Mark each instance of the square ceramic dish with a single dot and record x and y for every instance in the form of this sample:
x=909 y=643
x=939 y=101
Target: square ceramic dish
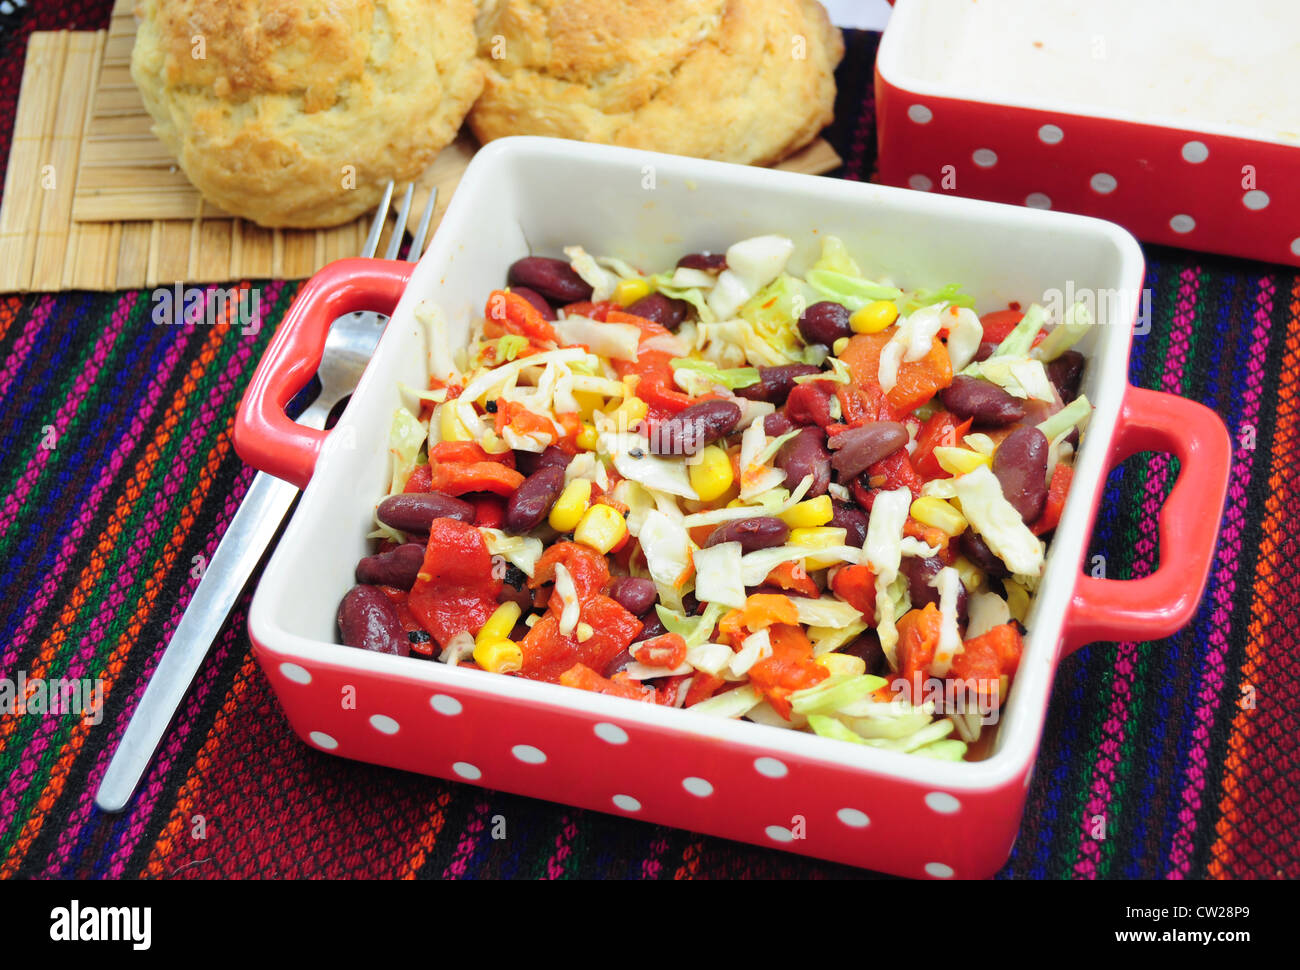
x=857 y=805
x=1178 y=121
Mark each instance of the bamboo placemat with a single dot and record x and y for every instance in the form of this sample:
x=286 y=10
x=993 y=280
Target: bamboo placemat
x=94 y=201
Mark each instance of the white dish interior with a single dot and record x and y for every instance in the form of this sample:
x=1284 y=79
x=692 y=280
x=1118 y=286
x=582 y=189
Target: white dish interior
x=1195 y=64
x=533 y=195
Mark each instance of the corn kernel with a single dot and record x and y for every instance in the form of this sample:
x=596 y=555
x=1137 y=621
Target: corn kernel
x=874 y=317
x=819 y=537
x=627 y=414
x=936 y=512
x=450 y=424
x=568 y=509
x=629 y=291
x=499 y=656
x=587 y=438
x=584 y=632
x=841 y=344
x=814 y=512
x=602 y=528
x=1017 y=599
x=959 y=461
x=499 y=624
x=589 y=402
x=843 y=664
x=972 y=577
x=711 y=475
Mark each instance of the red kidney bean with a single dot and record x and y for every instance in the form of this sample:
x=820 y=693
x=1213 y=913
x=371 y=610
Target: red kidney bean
x=524 y=597
x=537 y=300
x=974 y=548
x=806 y=455
x=708 y=262
x=1066 y=372
x=660 y=309
x=368 y=619
x=553 y=278
x=529 y=462
x=810 y=403
x=534 y=498
x=1020 y=464
x=867 y=646
x=688 y=431
x=919 y=572
x=777 y=423
x=775 y=383
x=634 y=594
x=859 y=448
x=651 y=626
x=414 y=511
x=852 y=520
x=985 y=349
x=825 y=323
x=621 y=662
x=986 y=403
x=758 y=532
x=397 y=567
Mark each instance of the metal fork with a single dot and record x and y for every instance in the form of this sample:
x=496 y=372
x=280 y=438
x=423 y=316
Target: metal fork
x=348 y=348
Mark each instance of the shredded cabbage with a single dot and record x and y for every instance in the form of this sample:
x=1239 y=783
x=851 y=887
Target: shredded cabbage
x=406 y=436
x=717 y=575
x=997 y=522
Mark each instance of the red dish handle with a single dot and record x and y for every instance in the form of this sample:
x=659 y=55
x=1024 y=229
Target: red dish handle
x=1162 y=603
x=265 y=437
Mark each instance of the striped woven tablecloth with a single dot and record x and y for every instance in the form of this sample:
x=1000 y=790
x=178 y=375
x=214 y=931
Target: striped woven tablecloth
x=117 y=473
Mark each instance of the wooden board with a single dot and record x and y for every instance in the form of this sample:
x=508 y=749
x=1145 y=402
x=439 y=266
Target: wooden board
x=93 y=200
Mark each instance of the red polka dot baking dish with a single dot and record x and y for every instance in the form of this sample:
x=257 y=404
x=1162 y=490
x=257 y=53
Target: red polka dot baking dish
x=861 y=805
x=1177 y=121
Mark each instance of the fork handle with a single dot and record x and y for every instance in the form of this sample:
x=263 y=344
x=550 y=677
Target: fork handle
x=237 y=555
x=265 y=437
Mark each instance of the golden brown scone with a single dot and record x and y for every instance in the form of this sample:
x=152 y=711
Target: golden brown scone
x=738 y=80
x=299 y=111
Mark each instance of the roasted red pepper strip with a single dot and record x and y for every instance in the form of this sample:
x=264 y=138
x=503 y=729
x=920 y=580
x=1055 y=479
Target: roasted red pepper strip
x=548 y=652
x=703 y=686
x=456 y=591
x=522 y=420
x=588 y=568
x=666 y=650
x=584 y=678
x=1057 y=491
x=987 y=662
x=519 y=316
x=918 y=636
x=419 y=480
x=942 y=430
x=790 y=668
x=457 y=478
x=896 y=471
x=792 y=576
x=468 y=451
x=856 y=585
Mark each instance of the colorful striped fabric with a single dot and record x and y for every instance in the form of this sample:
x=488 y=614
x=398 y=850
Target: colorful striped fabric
x=118 y=475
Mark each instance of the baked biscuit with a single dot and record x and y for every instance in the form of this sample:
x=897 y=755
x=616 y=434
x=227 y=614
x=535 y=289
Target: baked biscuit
x=297 y=112
x=738 y=80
